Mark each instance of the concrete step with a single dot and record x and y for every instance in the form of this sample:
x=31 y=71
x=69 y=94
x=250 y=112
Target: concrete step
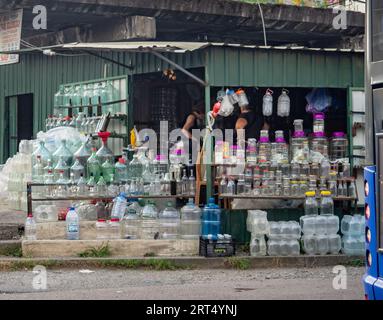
x=11 y=231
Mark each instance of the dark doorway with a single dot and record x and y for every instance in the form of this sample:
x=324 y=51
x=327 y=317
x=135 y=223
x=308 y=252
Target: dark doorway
x=19 y=115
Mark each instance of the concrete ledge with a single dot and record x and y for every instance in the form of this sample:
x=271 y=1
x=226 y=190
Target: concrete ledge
x=125 y=248
x=10 y=247
x=10 y=231
x=175 y=263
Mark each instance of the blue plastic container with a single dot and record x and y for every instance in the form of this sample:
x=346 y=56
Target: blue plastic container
x=211 y=220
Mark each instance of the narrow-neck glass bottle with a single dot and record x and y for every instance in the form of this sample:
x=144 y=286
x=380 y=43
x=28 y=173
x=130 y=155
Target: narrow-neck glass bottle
x=64 y=153
x=77 y=170
x=107 y=170
x=93 y=165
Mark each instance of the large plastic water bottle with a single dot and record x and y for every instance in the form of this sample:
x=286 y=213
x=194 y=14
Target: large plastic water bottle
x=30 y=228
x=283 y=109
x=169 y=222
x=73 y=225
x=190 y=221
x=211 y=220
x=119 y=206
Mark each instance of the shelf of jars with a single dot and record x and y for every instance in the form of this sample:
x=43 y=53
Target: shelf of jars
x=265 y=197
x=70 y=192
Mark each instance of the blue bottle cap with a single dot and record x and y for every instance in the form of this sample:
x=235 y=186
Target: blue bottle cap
x=123 y=195
x=211 y=200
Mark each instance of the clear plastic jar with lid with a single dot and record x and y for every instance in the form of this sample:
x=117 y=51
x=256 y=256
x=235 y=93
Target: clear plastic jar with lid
x=300 y=150
x=251 y=151
x=282 y=149
x=338 y=146
x=264 y=153
x=319 y=147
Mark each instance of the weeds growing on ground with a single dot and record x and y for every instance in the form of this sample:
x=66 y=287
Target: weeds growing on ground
x=101 y=252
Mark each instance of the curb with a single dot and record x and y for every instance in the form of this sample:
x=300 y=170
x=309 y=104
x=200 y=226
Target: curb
x=158 y=263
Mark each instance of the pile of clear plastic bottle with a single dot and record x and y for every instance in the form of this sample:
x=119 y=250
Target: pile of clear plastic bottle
x=320 y=231
x=353 y=240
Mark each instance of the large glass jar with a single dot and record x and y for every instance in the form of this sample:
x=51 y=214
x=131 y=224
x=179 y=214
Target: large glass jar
x=264 y=153
x=299 y=146
x=338 y=146
x=251 y=151
x=319 y=147
x=94 y=166
x=281 y=147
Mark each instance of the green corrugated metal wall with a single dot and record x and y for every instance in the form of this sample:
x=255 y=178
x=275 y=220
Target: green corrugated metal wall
x=42 y=76
x=226 y=66
x=284 y=68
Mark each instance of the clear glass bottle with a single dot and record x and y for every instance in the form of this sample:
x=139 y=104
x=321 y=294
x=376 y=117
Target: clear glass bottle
x=190 y=221
x=38 y=171
x=135 y=168
x=93 y=165
x=223 y=185
x=82 y=186
x=230 y=189
x=241 y=185
x=63 y=153
x=101 y=187
x=43 y=152
x=192 y=183
x=61 y=166
x=184 y=183
x=83 y=153
x=107 y=170
x=77 y=170
x=121 y=171
x=91 y=185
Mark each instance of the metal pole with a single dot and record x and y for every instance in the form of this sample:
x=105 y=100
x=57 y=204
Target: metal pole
x=194 y=77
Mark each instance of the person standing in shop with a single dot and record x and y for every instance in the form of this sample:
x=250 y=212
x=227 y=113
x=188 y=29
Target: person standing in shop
x=194 y=120
x=251 y=123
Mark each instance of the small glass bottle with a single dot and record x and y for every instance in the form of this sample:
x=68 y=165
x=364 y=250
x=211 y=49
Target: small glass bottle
x=241 y=185
x=91 y=185
x=184 y=183
x=192 y=185
x=81 y=186
x=101 y=186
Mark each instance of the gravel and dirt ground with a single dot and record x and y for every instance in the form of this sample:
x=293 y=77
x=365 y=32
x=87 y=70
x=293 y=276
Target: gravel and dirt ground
x=300 y=283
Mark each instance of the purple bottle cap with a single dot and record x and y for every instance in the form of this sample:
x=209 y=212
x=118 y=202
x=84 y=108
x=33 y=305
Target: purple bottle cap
x=299 y=134
x=234 y=147
x=264 y=139
x=319 y=134
x=319 y=116
x=280 y=140
x=338 y=134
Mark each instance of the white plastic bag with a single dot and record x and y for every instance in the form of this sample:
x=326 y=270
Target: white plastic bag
x=53 y=138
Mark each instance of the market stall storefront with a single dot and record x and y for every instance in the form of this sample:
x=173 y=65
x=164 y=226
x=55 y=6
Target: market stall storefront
x=175 y=81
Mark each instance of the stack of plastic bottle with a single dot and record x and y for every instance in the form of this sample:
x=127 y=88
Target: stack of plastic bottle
x=16 y=173
x=353 y=241
x=283 y=239
x=258 y=225
x=320 y=232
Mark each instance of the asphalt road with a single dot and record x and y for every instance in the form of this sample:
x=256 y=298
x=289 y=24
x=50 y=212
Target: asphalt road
x=316 y=283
